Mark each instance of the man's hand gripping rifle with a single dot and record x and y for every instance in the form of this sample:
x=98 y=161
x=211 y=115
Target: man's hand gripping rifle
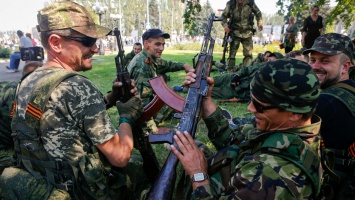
x=150 y=163
x=189 y=117
x=122 y=94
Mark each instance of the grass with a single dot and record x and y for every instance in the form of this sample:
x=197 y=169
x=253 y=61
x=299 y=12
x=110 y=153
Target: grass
x=103 y=73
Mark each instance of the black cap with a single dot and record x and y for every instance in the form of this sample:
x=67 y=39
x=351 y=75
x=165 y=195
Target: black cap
x=154 y=33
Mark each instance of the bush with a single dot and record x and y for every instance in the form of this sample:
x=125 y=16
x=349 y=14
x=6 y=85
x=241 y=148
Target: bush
x=257 y=48
x=5 y=53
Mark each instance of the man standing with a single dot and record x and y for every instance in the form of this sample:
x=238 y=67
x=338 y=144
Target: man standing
x=275 y=158
x=25 y=42
x=331 y=56
x=240 y=28
x=65 y=143
x=137 y=47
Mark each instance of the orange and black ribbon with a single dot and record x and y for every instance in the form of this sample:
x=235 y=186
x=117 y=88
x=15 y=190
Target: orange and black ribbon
x=12 y=111
x=148 y=61
x=352 y=150
x=34 y=111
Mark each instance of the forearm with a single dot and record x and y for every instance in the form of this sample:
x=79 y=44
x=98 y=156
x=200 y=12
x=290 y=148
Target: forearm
x=119 y=148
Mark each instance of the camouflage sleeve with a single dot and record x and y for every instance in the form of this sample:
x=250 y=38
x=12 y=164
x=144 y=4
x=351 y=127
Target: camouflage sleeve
x=257 y=12
x=203 y=192
x=219 y=131
x=225 y=14
x=141 y=73
x=165 y=66
x=270 y=177
x=260 y=177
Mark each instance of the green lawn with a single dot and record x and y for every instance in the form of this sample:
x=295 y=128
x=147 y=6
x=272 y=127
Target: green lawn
x=103 y=73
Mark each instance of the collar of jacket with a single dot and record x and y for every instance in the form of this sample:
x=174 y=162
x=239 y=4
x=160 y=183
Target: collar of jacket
x=307 y=133
x=149 y=58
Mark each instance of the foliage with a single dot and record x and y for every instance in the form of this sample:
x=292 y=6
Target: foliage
x=343 y=11
x=5 y=53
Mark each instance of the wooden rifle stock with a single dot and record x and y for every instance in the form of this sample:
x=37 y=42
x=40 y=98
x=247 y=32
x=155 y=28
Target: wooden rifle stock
x=189 y=118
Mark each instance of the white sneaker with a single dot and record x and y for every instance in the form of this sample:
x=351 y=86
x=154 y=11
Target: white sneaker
x=12 y=71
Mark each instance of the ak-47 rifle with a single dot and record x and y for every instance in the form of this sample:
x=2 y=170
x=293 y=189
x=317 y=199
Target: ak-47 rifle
x=189 y=117
x=150 y=163
x=122 y=72
x=228 y=36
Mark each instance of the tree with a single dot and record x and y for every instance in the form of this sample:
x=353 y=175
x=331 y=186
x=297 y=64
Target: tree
x=344 y=10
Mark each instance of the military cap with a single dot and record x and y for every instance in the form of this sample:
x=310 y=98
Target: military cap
x=276 y=54
x=333 y=44
x=154 y=33
x=64 y=15
x=289 y=83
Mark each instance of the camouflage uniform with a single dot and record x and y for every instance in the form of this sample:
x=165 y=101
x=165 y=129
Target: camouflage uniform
x=280 y=164
x=144 y=67
x=222 y=84
x=129 y=57
x=241 y=29
x=336 y=107
x=59 y=119
x=7 y=95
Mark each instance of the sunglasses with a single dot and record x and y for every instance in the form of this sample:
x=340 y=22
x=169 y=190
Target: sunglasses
x=260 y=108
x=85 y=41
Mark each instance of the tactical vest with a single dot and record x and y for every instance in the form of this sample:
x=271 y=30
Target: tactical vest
x=31 y=154
x=345 y=94
x=303 y=155
x=250 y=18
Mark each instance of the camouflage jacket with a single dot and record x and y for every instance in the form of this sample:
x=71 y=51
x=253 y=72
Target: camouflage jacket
x=67 y=112
x=260 y=169
x=129 y=57
x=7 y=95
x=143 y=67
x=242 y=13
x=258 y=59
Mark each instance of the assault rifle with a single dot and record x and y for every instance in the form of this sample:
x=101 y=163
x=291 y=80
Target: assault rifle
x=150 y=163
x=122 y=72
x=189 y=116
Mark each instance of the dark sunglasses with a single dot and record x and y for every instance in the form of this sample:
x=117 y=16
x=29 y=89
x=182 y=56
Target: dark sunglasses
x=86 y=41
x=260 y=108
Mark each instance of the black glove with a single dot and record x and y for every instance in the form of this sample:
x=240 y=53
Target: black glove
x=235 y=80
x=131 y=110
x=112 y=96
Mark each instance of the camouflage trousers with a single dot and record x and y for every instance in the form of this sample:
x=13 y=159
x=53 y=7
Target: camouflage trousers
x=223 y=90
x=247 y=52
x=124 y=183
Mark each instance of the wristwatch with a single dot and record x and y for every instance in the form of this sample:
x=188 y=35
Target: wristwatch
x=198 y=177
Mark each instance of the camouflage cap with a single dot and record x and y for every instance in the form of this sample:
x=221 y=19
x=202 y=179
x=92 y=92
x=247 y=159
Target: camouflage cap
x=333 y=44
x=63 y=15
x=288 y=83
x=276 y=54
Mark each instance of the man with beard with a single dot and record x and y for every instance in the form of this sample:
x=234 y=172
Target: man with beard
x=331 y=57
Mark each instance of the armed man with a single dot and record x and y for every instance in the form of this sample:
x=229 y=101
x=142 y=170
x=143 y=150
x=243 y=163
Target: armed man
x=65 y=144
x=275 y=158
x=148 y=64
x=240 y=28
